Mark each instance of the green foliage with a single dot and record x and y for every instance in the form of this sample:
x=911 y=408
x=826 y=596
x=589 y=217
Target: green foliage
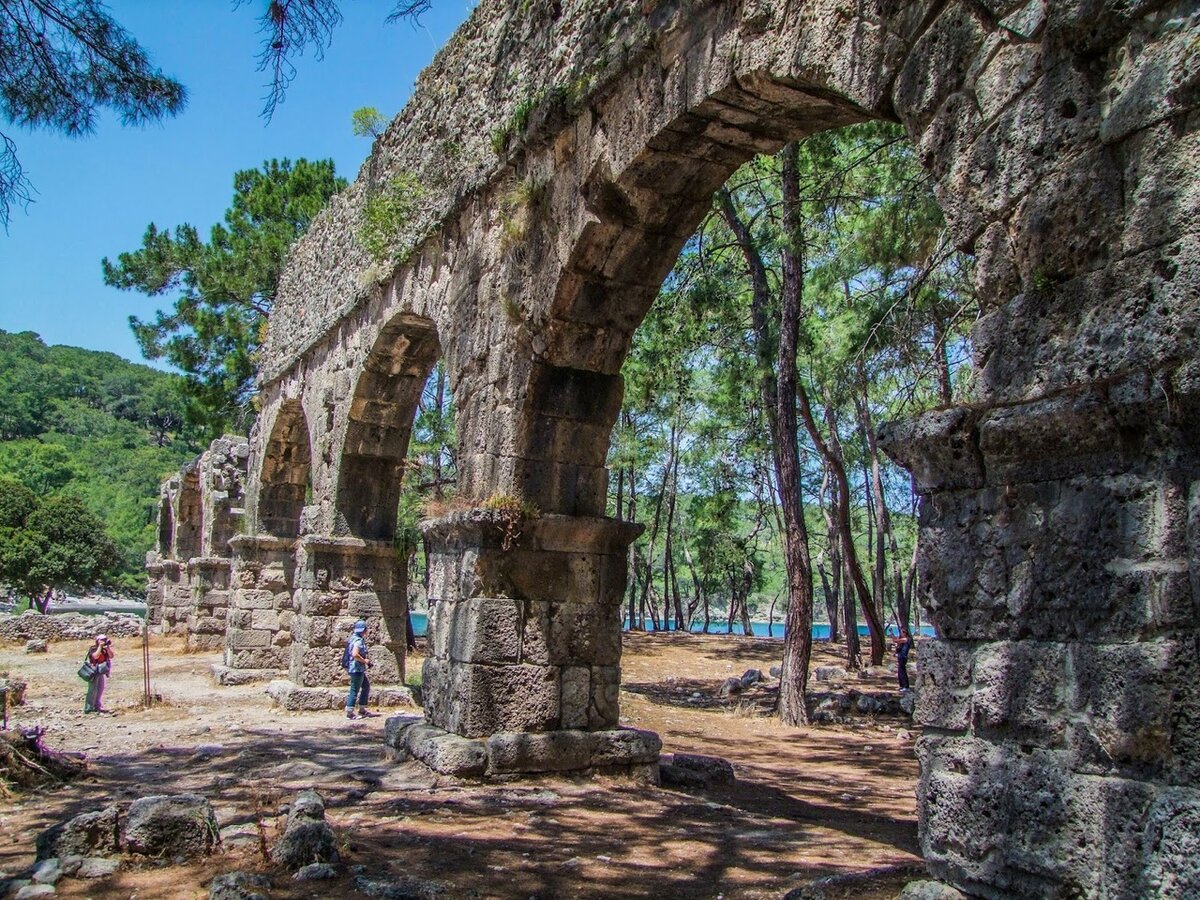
x=64 y=62
x=225 y=286
x=386 y=215
x=51 y=544
x=367 y=121
x=107 y=432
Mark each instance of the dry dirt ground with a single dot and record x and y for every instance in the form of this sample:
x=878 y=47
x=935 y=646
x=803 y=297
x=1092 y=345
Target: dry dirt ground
x=808 y=803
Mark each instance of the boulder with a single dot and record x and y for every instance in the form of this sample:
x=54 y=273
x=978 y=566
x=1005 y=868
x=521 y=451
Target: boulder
x=829 y=673
x=316 y=872
x=35 y=890
x=87 y=834
x=750 y=677
x=36 y=646
x=239 y=886
x=307 y=839
x=691 y=770
x=930 y=890
x=730 y=687
x=179 y=826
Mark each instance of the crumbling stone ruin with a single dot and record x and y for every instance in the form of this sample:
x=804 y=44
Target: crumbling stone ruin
x=200 y=510
x=1060 y=515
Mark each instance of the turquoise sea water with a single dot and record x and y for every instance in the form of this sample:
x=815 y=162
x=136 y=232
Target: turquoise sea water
x=759 y=629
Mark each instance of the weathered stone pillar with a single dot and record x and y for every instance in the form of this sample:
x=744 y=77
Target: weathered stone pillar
x=523 y=672
x=342 y=580
x=261 y=616
x=154 y=590
x=209 y=579
x=1059 y=551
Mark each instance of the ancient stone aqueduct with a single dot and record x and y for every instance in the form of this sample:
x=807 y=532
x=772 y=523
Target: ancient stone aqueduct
x=1061 y=747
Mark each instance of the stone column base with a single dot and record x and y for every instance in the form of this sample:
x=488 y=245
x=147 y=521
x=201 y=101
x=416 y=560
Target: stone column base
x=226 y=676
x=626 y=752
x=299 y=698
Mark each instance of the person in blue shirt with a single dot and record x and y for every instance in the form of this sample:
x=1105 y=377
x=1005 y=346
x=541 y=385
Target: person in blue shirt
x=360 y=682
x=903 y=646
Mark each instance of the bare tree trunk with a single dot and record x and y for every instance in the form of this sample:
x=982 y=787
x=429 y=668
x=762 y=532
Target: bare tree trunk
x=850 y=552
x=853 y=645
x=778 y=386
x=635 y=624
x=941 y=362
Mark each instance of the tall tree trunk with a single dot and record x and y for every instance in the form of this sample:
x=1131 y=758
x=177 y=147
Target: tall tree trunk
x=849 y=551
x=777 y=385
x=853 y=644
x=634 y=623
x=885 y=534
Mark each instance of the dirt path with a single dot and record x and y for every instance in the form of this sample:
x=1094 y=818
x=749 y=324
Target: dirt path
x=807 y=803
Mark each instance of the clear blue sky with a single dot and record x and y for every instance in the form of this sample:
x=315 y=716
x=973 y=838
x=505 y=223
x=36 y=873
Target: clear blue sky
x=96 y=194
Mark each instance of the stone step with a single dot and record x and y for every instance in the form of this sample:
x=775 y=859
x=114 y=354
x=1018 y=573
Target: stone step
x=295 y=697
x=225 y=675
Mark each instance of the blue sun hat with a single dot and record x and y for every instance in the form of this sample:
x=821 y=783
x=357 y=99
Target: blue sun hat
x=360 y=626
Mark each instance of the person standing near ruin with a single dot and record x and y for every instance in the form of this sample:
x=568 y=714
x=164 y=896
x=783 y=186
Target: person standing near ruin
x=358 y=661
x=903 y=646
x=100 y=655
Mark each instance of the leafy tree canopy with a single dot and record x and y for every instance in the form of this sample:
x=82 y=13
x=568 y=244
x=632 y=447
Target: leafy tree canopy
x=226 y=285
x=96 y=426
x=51 y=545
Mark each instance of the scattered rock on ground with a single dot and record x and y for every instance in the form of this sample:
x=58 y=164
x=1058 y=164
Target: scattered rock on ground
x=751 y=676
x=87 y=834
x=36 y=646
x=930 y=890
x=829 y=673
x=405 y=888
x=182 y=825
x=316 y=872
x=97 y=867
x=36 y=890
x=307 y=838
x=239 y=886
x=730 y=687
x=691 y=770
x=48 y=871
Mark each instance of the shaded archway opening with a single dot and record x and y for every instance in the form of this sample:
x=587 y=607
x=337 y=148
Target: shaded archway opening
x=387 y=400
x=166 y=529
x=189 y=518
x=285 y=480
x=644 y=215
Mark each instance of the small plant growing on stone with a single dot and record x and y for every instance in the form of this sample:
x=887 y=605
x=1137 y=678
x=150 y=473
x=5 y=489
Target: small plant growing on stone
x=385 y=216
x=512 y=510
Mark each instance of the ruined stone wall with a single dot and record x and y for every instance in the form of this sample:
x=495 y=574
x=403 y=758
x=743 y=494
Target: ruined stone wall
x=1059 y=515
x=200 y=509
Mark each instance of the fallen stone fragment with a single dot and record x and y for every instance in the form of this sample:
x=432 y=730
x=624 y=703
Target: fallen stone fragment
x=829 y=673
x=930 y=890
x=48 y=871
x=238 y=886
x=36 y=890
x=307 y=838
x=36 y=646
x=316 y=872
x=85 y=835
x=183 y=825
x=730 y=687
x=751 y=676
x=404 y=888
x=97 y=867
x=690 y=770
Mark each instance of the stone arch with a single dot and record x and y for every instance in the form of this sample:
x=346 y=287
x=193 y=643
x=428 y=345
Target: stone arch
x=284 y=477
x=639 y=220
x=381 y=414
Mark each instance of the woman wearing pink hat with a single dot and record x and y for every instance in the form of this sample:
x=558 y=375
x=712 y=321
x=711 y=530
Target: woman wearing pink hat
x=100 y=655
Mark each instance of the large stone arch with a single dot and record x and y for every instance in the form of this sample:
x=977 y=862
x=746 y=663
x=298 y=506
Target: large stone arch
x=1063 y=138
x=380 y=424
x=284 y=473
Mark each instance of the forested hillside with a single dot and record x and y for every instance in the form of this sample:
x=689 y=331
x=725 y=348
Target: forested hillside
x=93 y=425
